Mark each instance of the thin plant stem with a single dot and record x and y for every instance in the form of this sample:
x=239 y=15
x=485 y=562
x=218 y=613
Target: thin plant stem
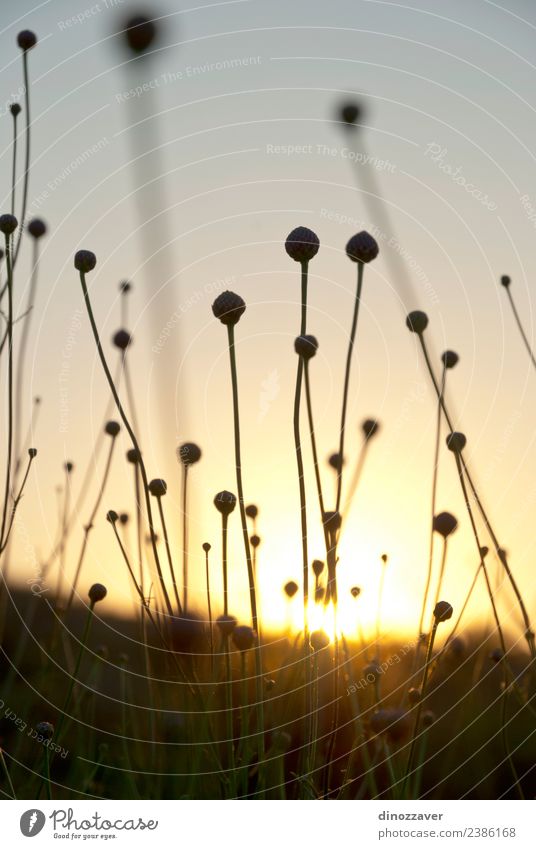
x=418 y=713
x=229 y=716
x=133 y=439
x=351 y=343
x=14 y=165
x=358 y=471
x=313 y=438
x=441 y=570
x=8 y=776
x=224 y=527
x=16 y=502
x=27 y=154
x=209 y=607
x=74 y=676
x=185 y=535
x=169 y=557
x=21 y=358
x=520 y=327
x=7 y=486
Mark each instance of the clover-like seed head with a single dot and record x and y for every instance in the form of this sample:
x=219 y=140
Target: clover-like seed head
x=97 y=592
x=225 y=502
x=356 y=592
x=158 y=487
x=417 y=321
x=332 y=521
x=85 y=261
x=291 y=588
x=37 y=228
x=306 y=346
x=189 y=453
x=318 y=567
x=133 y=456
x=124 y=518
x=112 y=428
x=319 y=640
x=255 y=540
x=505 y=281
x=226 y=624
x=15 y=109
x=362 y=247
x=445 y=524
x=336 y=461
x=302 y=244
x=252 y=511
x=449 y=359
x=122 y=339
x=229 y=307
x=206 y=547
x=26 y=39
x=442 y=611
x=456 y=442
x=140 y=32
x=350 y=112
x=243 y=637
x=45 y=730
x=32 y=453
x=370 y=428
x=111 y=517
x=8 y=224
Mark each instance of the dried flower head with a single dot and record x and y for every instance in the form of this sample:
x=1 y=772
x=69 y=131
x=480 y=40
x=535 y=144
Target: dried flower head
x=252 y=511
x=37 y=228
x=26 y=39
x=370 y=428
x=226 y=624
x=255 y=540
x=122 y=339
x=505 y=281
x=306 y=346
x=417 y=321
x=32 y=453
x=445 y=524
x=350 y=112
x=318 y=567
x=112 y=428
x=291 y=588
x=319 y=640
x=449 y=359
x=336 y=461
x=456 y=442
x=243 y=637
x=332 y=521
x=140 y=32
x=442 y=611
x=225 y=502
x=124 y=518
x=68 y=466
x=362 y=247
x=189 y=453
x=15 y=109
x=112 y=517
x=97 y=592
x=158 y=487
x=45 y=730
x=229 y=307
x=133 y=456
x=302 y=244
x=125 y=287
x=356 y=592
x=85 y=261
x=8 y=224
x=206 y=547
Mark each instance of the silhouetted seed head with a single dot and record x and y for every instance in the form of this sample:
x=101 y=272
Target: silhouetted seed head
x=335 y=461
x=332 y=521
x=149 y=539
x=428 y=718
x=32 y=453
x=85 y=261
x=229 y=307
x=45 y=730
x=125 y=286
x=112 y=428
x=187 y=634
x=226 y=624
x=302 y=244
x=318 y=567
x=255 y=540
x=15 y=109
x=496 y=655
x=319 y=594
x=189 y=453
x=252 y=511
x=26 y=39
x=122 y=339
x=8 y=224
x=350 y=112
x=414 y=696
x=158 y=487
x=112 y=517
x=393 y=722
x=37 y=228
x=417 y=321
x=243 y=637
x=97 y=592
x=225 y=502
x=370 y=428
x=68 y=466
x=456 y=442
x=362 y=247
x=449 y=359
x=457 y=647
x=291 y=588
x=505 y=281
x=133 y=456
x=140 y=32
x=319 y=640
x=206 y=547
x=442 y=611
x=123 y=518
x=306 y=346
x=445 y=524
x=356 y=592
x=384 y=558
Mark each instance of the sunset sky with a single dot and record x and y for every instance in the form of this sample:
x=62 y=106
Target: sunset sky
x=184 y=171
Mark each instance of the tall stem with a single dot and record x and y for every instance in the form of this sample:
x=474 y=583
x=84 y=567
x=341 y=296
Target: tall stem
x=7 y=487
x=27 y=156
x=520 y=327
x=185 y=536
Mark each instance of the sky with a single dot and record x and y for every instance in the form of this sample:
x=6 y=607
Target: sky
x=184 y=171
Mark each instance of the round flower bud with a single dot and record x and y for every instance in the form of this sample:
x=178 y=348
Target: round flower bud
x=362 y=247
x=505 y=281
x=85 y=261
x=112 y=428
x=306 y=346
x=125 y=286
x=229 y=307
x=442 y=611
x=335 y=461
x=350 y=112
x=243 y=637
x=32 y=453
x=449 y=358
x=225 y=502
x=226 y=624
x=45 y=730
x=255 y=540
x=140 y=32
x=291 y=588
x=158 y=487
x=68 y=466
x=252 y=511
x=37 y=228
x=319 y=640
x=112 y=517
x=8 y=224
x=332 y=521
x=318 y=567
x=356 y=592
x=123 y=518
x=133 y=456
x=302 y=244
x=484 y=551
x=26 y=39
x=97 y=592
x=15 y=109
x=445 y=524
x=456 y=442
x=122 y=339
x=417 y=321
x=206 y=547
x=370 y=428
x=189 y=453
